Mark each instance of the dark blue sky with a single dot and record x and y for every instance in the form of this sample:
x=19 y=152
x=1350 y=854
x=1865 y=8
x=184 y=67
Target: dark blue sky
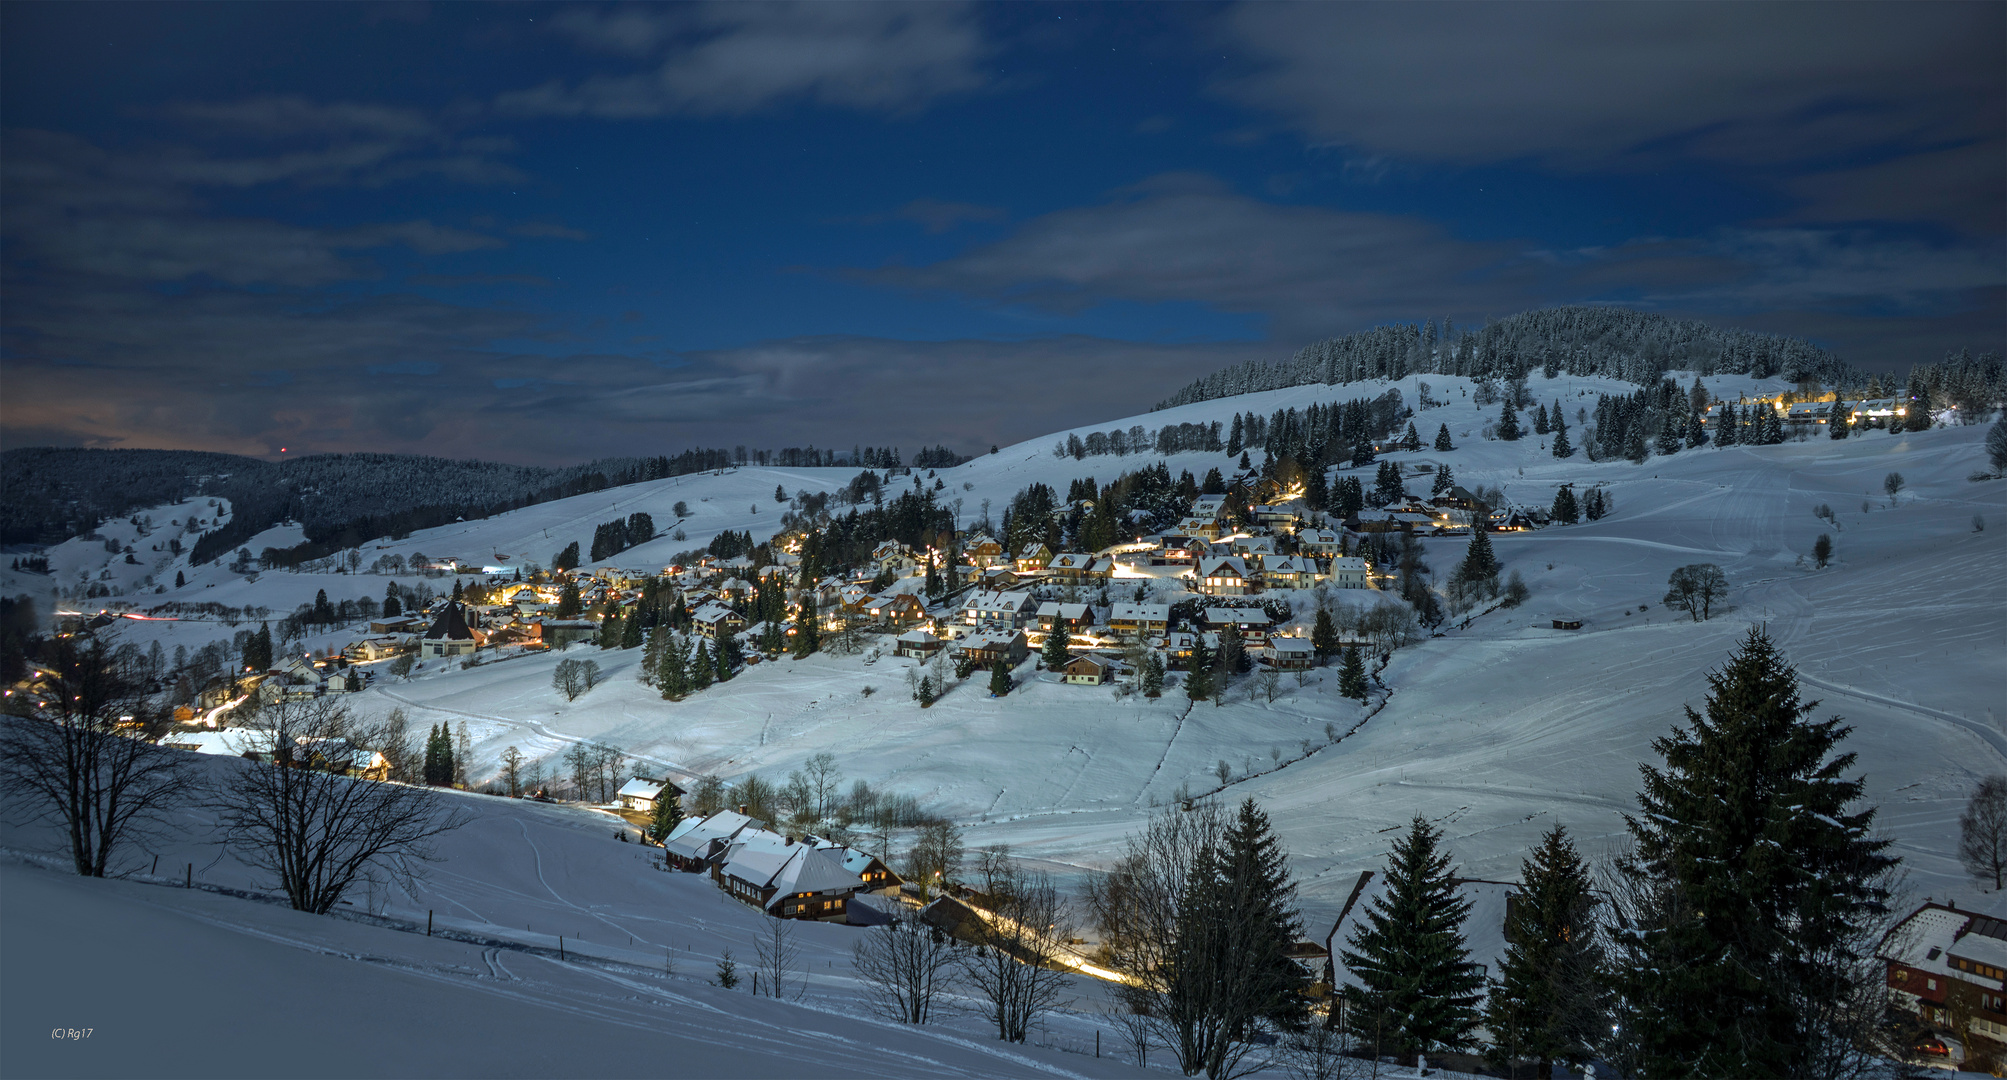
x=548 y=232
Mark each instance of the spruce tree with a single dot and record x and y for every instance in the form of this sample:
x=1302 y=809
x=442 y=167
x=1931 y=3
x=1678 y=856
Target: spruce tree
x=450 y=765
x=1054 y=654
x=1324 y=635
x=1352 y=675
x=1443 y=482
x=668 y=812
x=1565 y=511
x=1417 y=990
x=1548 y=1002
x=431 y=771
x=1199 y=671
x=1153 y=674
x=1442 y=439
x=1508 y=423
x=264 y=658
x=180 y=581
x=1837 y=420
x=1769 y=879
x=630 y=631
x=1540 y=424
x=672 y=675
x=1000 y=679
x=1413 y=439
x=1562 y=447
x=1479 y=565
x=703 y=667
x=806 y=638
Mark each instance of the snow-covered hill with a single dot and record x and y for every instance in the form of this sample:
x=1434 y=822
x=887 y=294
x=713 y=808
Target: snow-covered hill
x=1496 y=730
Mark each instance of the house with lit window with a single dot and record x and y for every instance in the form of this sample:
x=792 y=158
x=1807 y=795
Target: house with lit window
x=1224 y=576
x=1139 y=620
x=1349 y=572
x=1948 y=967
x=1033 y=558
x=716 y=621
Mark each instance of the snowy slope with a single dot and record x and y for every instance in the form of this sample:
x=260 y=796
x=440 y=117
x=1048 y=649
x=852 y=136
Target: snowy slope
x=1495 y=730
x=284 y=993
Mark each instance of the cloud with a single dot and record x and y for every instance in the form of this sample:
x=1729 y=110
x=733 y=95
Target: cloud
x=731 y=59
x=1314 y=271
x=546 y=230
x=290 y=117
x=344 y=143
x=938 y=216
x=1780 y=87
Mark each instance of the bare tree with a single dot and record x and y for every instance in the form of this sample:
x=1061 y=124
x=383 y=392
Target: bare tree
x=1893 y=483
x=394 y=743
x=83 y=757
x=299 y=815
x=905 y=966
x=777 y=959
x=936 y=855
x=1013 y=963
x=607 y=764
x=512 y=770
x=570 y=678
x=823 y=778
x=1694 y=589
x=1982 y=832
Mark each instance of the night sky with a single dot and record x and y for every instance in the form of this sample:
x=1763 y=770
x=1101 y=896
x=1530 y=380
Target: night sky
x=546 y=233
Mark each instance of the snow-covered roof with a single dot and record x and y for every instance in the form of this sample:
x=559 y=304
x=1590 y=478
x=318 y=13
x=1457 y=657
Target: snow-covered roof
x=1070 y=560
x=813 y=870
x=1140 y=613
x=1221 y=566
x=1289 y=645
x=710 y=613
x=642 y=787
x=1935 y=934
x=1348 y=562
x=1240 y=616
x=1053 y=609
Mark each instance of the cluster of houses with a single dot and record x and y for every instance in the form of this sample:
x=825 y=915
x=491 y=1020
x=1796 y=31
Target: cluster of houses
x=788 y=877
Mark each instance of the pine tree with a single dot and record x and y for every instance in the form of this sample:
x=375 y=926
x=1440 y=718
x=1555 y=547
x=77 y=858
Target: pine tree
x=262 y=643
x=1565 y=511
x=668 y=812
x=806 y=638
x=392 y=606
x=727 y=657
x=431 y=771
x=924 y=693
x=1261 y=906
x=1000 y=679
x=1054 y=654
x=1153 y=673
x=611 y=631
x=1443 y=482
x=1442 y=439
x=1540 y=423
x=1479 y=565
x=180 y=581
x=1548 y=1001
x=1352 y=675
x=1413 y=439
x=1508 y=423
x=568 y=604
x=672 y=675
x=1770 y=878
x=1417 y=990
x=449 y=765
x=1324 y=635
x=630 y=631
x=1837 y=420
x=1199 y=671
x=702 y=666
x=1562 y=447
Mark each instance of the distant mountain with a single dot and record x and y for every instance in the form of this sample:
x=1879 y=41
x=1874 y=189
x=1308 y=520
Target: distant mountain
x=1610 y=342
x=49 y=494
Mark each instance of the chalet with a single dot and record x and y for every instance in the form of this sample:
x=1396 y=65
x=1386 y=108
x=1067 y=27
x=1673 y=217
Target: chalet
x=1323 y=543
x=643 y=792
x=918 y=644
x=853 y=598
x=1054 y=616
x=989 y=647
x=716 y=621
x=1090 y=669
x=901 y=609
x=828 y=591
x=370 y=649
x=873 y=876
x=1456 y=498
x=737 y=590
x=1349 y=572
x=1946 y=964
x=1289 y=654
x=1210 y=508
x=1033 y=558
x=785 y=878
x=1180 y=644
x=696 y=842
x=1282 y=517
x=449 y=635
x=229 y=742
x=1202 y=528
x=557 y=633
x=997 y=578
x=410 y=624
x=1005 y=610
x=1224 y=576
x=1288 y=572
x=982 y=551
x=1140 y=620
x=1254 y=549
x=894 y=557
x=1076 y=568
x=617 y=578
x=1254 y=623
x=1385 y=521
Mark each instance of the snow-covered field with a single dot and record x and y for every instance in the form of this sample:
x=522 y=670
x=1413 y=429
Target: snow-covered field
x=1496 y=731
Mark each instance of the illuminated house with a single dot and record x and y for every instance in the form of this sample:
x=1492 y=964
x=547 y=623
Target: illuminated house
x=1949 y=968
